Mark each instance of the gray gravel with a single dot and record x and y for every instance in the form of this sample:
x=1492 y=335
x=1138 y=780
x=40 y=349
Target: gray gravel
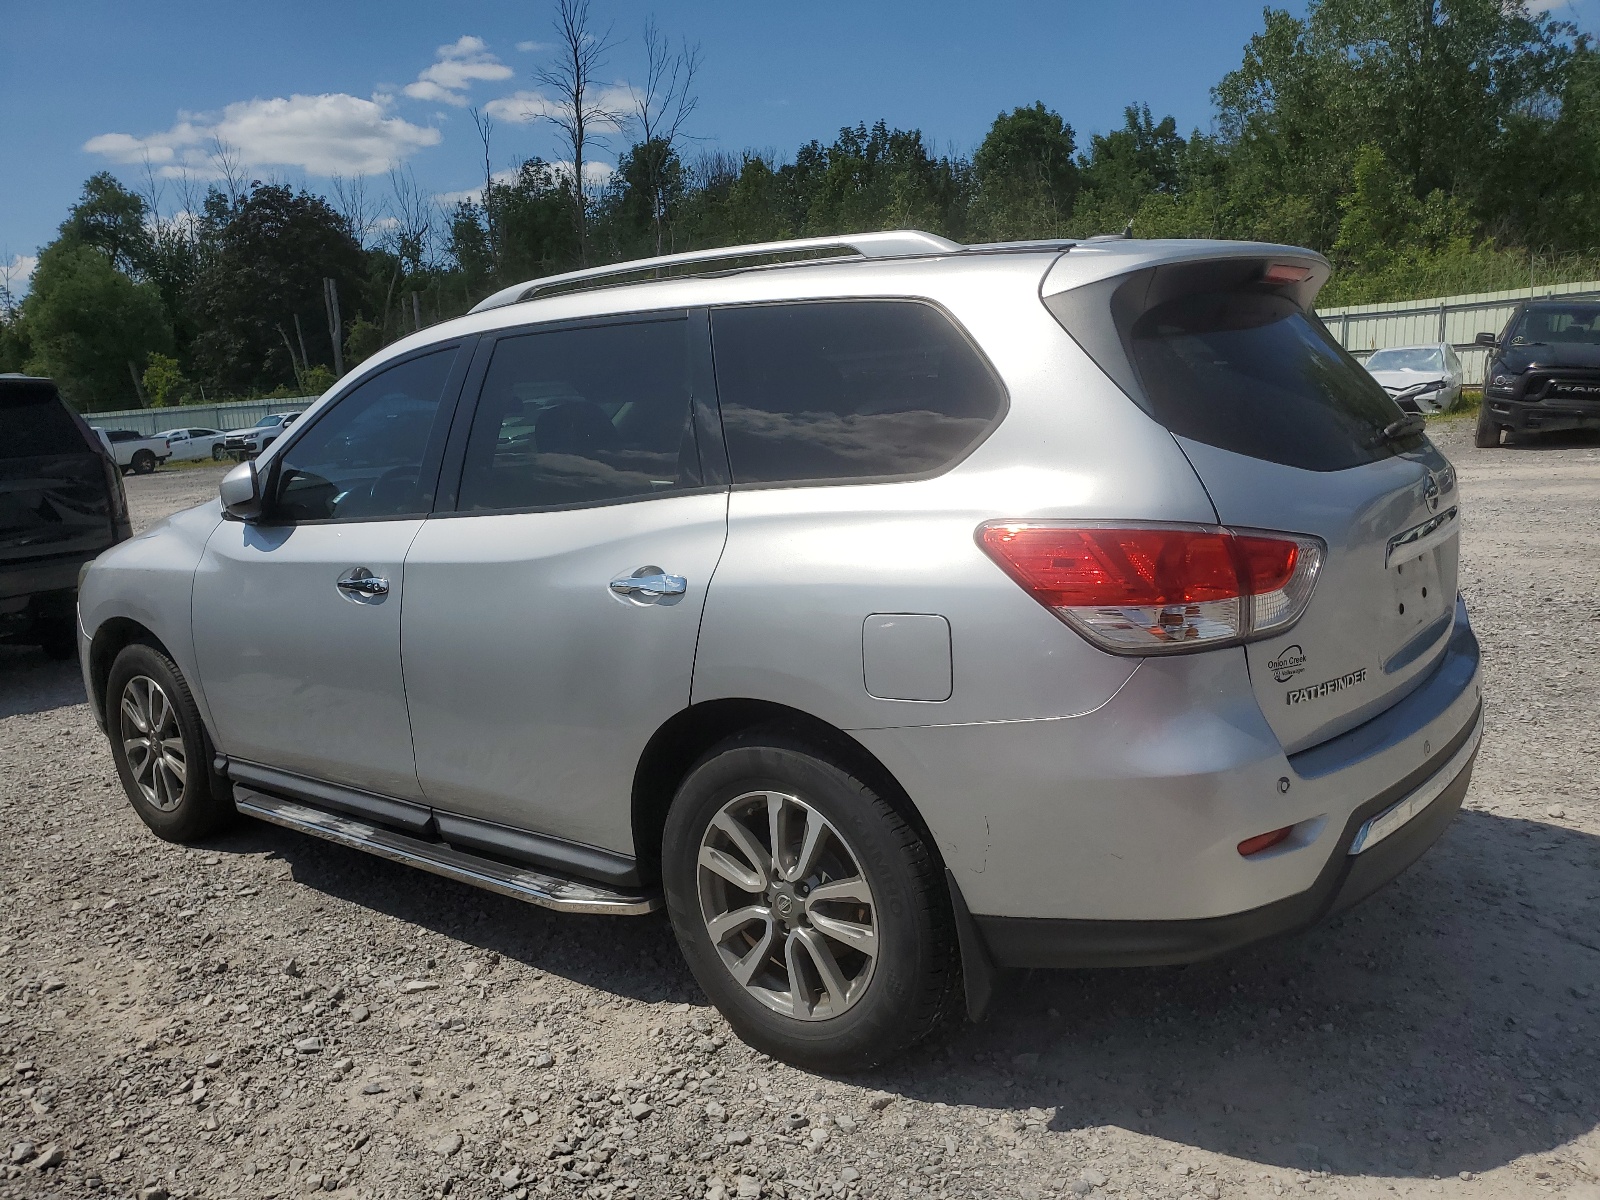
x=271 y=1016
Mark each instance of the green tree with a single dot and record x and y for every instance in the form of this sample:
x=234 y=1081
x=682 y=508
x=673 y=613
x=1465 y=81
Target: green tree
x=114 y=221
x=164 y=383
x=91 y=327
x=1026 y=174
x=258 y=300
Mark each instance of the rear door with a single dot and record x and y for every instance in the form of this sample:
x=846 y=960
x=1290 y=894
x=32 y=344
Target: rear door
x=551 y=620
x=1288 y=432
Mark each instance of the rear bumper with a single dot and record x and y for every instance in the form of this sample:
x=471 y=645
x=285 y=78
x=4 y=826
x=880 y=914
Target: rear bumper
x=1543 y=415
x=1111 y=838
x=1347 y=878
x=38 y=591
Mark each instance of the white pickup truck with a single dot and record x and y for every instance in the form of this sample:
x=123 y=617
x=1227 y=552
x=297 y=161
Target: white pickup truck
x=134 y=451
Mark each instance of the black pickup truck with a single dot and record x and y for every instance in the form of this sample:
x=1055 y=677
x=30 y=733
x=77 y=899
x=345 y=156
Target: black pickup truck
x=61 y=503
x=1544 y=371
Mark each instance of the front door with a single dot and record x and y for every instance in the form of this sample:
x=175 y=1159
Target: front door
x=297 y=616
x=551 y=621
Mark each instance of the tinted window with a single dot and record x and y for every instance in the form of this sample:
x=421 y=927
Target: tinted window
x=1544 y=325
x=365 y=457
x=34 y=422
x=580 y=416
x=1252 y=373
x=848 y=390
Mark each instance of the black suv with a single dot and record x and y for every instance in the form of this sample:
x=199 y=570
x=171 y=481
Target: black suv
x=61 y=503
x=1544 y=372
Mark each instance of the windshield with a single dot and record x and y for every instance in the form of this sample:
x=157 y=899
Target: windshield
x=1408 y=359
x=1549 y=325
x=267 y=421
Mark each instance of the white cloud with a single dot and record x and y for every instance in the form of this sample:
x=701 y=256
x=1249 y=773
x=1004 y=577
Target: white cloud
x=532 y=47
x=454 y=70
x=474 y=194
x=525 y=106
x=331 y=134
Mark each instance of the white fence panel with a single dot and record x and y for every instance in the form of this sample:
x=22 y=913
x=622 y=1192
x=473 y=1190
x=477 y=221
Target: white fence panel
x=238 y=415
x=1363 y=328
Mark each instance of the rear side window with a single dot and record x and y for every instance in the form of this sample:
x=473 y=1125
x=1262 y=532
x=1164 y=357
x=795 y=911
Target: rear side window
x=1252 y=373
x=848 y=390
x=583 y=416
x=34 y=422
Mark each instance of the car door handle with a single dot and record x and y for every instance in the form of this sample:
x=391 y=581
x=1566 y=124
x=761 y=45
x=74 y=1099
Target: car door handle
x=650 y=582
x=362 y=582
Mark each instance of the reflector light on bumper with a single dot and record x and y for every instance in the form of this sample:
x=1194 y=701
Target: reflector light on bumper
x=1159 y=589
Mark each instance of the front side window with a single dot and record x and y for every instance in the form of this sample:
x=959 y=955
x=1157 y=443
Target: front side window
x=364 y=458
x=848 y=390
x=583 y=416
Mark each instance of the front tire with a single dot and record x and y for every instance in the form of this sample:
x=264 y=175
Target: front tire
x=1487 y=434
x=811 y=912
x=160 y=748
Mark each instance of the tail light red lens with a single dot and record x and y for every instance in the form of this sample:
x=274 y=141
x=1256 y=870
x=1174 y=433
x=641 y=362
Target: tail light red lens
x=1159 y=589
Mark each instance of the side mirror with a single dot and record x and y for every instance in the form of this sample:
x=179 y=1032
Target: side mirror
x=1484 y=339
x=241 y=492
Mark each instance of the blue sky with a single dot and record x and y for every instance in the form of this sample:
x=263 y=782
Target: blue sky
x=304 y=90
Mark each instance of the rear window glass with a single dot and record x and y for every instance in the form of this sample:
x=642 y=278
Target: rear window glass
x=1252 y=373
x=843 y=390
x=34 y=422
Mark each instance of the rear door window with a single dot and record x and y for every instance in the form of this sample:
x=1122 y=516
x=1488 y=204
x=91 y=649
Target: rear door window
x=34 y=422
x=848 y=390
x=586 y=415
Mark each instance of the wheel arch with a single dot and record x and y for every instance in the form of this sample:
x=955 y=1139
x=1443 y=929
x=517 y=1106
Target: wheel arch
x=109 y=640
x=685 y=737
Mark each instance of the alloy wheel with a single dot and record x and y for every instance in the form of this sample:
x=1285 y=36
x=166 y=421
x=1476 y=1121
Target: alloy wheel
x=787 y=906
x=153 y=742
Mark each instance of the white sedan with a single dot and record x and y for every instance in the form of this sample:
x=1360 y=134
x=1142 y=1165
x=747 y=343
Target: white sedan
x=1406 y=371
x=190 y=444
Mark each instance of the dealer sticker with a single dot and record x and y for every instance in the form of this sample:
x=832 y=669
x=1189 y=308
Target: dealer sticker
x=1318 y=690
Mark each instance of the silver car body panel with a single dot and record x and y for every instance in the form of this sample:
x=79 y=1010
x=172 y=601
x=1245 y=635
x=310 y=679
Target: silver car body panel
x=568 y=680
x=299 y=674
x=149 y=580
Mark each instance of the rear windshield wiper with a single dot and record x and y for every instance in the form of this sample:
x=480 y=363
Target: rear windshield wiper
x=1409 y=426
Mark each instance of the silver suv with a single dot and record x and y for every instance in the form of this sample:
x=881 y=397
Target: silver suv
x=890 y=611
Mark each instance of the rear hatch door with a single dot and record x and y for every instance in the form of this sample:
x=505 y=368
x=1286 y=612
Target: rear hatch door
x=54 y=495
x=1289 y=433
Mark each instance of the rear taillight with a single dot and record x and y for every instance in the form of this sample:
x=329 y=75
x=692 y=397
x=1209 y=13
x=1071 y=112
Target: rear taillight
x=1159 y=589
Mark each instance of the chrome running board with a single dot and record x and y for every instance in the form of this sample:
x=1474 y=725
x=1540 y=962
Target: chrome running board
x=520 y=883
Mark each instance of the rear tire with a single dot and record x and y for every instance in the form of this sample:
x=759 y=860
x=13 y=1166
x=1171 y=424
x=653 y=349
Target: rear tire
x=218 y=454
x=144 y=462
x=833 y=982
x=1487 y=434
x=58 y=638
x=161 y=750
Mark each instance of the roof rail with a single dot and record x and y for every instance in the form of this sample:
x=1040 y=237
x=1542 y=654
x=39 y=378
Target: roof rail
x=897 y=243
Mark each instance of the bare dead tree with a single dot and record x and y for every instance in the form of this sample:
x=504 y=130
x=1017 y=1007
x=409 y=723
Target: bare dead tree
x=661 y=107
x=228 y=163
x=578 y=109
x=485 y=126
x=354 y=205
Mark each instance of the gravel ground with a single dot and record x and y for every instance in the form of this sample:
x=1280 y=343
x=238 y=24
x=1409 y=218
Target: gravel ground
x=270 y=1015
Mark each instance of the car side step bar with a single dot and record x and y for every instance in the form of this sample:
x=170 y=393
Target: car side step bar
x=520 y=883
